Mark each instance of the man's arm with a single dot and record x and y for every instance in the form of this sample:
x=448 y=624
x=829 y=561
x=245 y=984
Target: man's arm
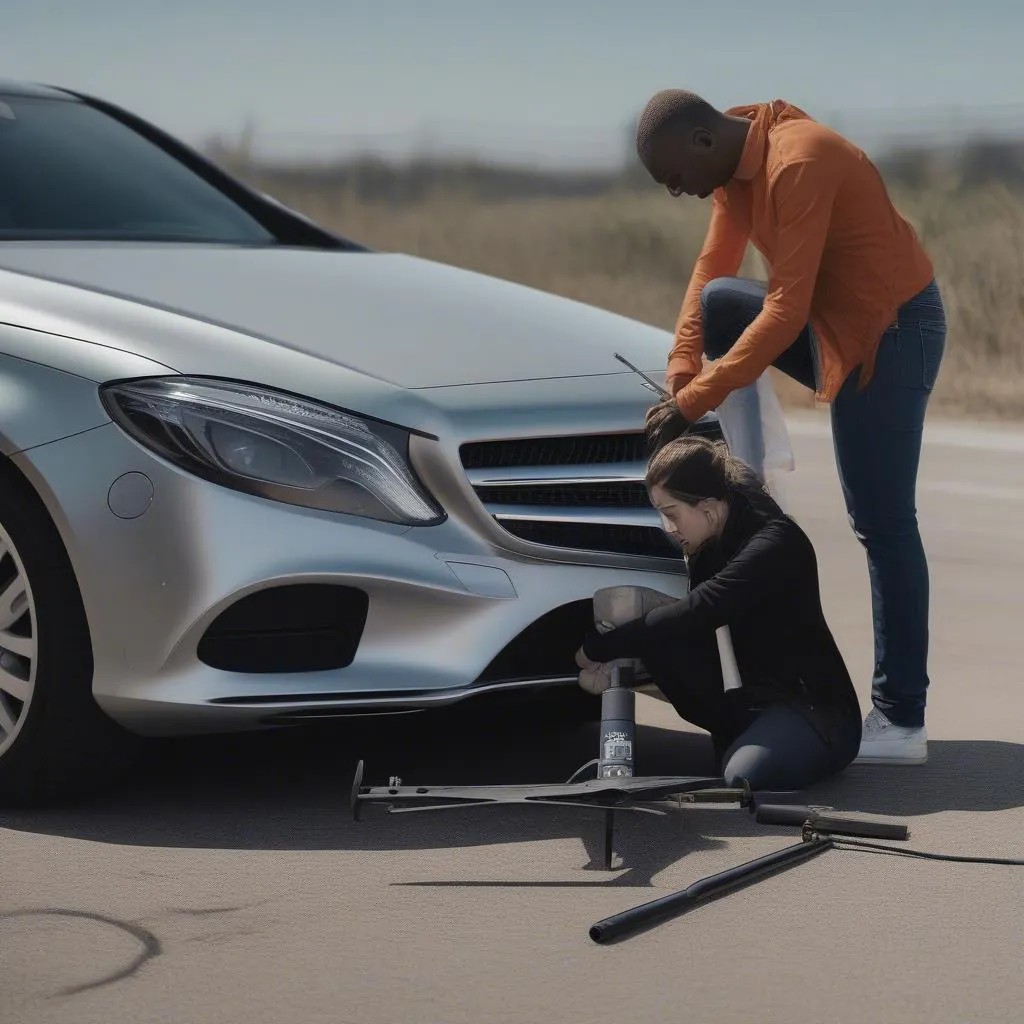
x=720 y=256
x=802 y=195
x=758 y=575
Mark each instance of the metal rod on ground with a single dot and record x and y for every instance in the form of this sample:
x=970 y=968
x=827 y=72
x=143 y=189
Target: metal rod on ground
x=648 y=914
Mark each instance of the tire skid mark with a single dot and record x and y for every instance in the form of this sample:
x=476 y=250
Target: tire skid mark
x=150 y=943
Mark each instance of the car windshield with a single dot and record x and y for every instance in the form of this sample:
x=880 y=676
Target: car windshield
x=69 y=171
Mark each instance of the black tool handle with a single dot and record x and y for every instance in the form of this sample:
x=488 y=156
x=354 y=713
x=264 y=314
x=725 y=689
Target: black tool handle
x=712 y=887
x=830 y=824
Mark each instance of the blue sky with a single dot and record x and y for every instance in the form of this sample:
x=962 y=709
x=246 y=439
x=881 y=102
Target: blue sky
x=554 y=81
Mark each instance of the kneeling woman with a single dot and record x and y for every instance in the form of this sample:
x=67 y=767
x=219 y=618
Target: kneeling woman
x=795 y=720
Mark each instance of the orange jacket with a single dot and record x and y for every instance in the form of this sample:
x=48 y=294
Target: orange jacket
x=841 y=258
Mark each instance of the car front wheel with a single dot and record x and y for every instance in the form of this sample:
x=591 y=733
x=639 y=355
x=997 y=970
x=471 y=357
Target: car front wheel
x=55 y=741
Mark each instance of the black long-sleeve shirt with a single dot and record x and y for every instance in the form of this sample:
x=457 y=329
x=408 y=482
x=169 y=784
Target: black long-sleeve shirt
x=760 y=578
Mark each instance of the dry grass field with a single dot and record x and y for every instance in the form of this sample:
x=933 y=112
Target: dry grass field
x=630 y=250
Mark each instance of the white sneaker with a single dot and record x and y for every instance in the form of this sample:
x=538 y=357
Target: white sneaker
x=884 y=743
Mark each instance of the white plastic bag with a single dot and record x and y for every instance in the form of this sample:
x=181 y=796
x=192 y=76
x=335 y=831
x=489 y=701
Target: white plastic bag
x=755 y=430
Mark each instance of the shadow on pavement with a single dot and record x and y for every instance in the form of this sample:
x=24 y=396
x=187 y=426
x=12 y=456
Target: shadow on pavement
x=961 y=775
x=290 y=790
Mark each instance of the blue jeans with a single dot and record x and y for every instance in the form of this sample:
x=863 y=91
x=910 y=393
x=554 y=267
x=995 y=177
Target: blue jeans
x=877 y=435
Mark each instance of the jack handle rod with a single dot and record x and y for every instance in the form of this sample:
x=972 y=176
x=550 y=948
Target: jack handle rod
x=706 y=889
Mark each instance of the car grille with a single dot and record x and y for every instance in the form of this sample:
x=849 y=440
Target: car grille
x=629 y=495
x=625 y=540
x=555 y=451
x=585 y=493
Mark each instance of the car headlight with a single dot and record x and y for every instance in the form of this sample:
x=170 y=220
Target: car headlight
x=270 y=444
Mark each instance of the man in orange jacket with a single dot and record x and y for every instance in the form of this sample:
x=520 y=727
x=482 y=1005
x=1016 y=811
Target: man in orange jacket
x=851 y=310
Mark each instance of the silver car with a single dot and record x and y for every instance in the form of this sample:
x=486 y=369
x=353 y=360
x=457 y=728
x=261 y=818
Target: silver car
x=252 y=473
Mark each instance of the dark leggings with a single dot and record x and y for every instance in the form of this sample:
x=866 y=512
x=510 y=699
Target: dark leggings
x=773 y=746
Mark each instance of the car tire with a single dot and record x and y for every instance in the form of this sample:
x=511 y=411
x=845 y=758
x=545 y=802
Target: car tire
x=559 y=707
x=56 y=742
x=572 y=706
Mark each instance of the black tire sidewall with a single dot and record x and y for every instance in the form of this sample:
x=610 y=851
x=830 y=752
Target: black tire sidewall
x=66 y=745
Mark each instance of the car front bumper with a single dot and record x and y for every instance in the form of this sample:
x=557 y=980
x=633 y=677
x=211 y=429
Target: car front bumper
x=443 y=602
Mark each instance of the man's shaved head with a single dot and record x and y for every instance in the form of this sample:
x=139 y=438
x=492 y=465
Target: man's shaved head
x=686 y=144
x=672 y=110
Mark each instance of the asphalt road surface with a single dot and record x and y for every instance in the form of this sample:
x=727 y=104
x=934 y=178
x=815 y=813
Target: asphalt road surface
x=225 y=881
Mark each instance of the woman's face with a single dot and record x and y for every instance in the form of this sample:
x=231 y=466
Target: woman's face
x=690 y=525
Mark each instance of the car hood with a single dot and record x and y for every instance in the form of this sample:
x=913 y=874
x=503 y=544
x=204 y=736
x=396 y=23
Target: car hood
x=404 y=320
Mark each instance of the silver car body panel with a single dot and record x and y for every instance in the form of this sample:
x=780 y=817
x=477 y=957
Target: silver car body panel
x=402 y=320
x=40 y=403
x=454 y=356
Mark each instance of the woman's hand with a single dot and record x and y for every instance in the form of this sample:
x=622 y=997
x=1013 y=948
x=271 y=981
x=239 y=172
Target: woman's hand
x=664 y=422
x=594 y=676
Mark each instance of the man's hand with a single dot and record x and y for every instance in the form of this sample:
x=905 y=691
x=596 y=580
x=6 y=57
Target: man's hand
x=678 y=381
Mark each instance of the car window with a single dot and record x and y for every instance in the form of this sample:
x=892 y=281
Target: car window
x=69 y=171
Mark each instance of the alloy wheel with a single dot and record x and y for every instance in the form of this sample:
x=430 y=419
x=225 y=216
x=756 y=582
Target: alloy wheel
x=18 y=642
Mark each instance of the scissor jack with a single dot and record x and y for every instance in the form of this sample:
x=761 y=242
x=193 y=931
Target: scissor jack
x=623 y=793
x=610 y=794
x=616 y=788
